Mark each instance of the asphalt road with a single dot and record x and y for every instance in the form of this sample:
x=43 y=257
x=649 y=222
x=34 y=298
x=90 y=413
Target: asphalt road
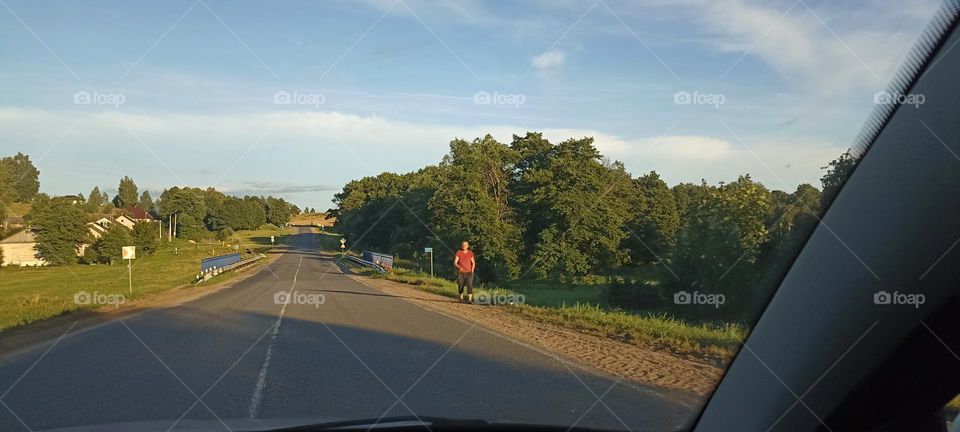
x=246 y=352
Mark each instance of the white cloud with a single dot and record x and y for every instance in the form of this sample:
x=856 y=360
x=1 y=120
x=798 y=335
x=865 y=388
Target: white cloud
x=549 y=60
x=305 y=152
x=812 y=47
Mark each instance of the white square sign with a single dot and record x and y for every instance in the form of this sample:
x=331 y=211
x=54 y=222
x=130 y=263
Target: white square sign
x=128 y=252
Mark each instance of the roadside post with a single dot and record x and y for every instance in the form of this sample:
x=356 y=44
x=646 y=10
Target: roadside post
x=343 y=245
x=129 y=253
x=271 y=239
x=430 y=251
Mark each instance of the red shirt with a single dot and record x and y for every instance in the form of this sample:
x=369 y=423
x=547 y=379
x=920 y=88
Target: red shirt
x=465 y=265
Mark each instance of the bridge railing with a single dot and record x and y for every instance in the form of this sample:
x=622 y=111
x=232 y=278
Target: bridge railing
x=362 y=262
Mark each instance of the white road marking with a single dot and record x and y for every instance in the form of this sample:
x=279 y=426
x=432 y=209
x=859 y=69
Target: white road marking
x=262 y=378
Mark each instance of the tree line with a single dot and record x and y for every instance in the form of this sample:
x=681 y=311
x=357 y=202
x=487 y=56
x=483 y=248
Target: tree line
x=60 y=223
x=562 y=211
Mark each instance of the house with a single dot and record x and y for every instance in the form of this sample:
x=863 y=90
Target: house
x=126 y=221
x=96 y=229
x=103 y=222
x=138 y=214
x=18 y=250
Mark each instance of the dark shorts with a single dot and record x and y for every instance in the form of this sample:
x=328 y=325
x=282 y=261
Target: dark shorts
x=465 y=280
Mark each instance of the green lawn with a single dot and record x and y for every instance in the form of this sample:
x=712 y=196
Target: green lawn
x=33 y=294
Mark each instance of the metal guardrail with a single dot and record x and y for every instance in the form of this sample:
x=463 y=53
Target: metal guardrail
x=216 y=271
x=366 y=263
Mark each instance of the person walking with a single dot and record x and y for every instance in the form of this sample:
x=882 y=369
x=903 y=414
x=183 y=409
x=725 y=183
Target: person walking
x=466 y=263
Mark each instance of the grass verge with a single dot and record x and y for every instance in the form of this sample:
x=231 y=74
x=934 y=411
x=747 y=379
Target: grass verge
x=32 y=294
x=711 y=342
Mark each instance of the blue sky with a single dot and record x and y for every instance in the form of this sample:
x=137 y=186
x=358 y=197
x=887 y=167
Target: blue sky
x=295 y=98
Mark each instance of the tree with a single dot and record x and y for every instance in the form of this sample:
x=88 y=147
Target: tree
x=224 y=234
x=278 y=211
x=573 y=205
x=717 y=249
x=838 y=171
x=108 y=247
x=145 y=237
x=60 y=228
x=126 y=193
x=472 y=203
x=654 y=230
x=189 y=227
x=146 y=201
x=7 y=194
x=22 y=178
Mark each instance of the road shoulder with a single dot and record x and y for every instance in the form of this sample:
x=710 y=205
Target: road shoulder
x=640 y=365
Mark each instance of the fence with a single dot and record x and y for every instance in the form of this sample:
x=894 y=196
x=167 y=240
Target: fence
x=379 y=268
x=381 y=259
x=215 y=271
x=218 y=262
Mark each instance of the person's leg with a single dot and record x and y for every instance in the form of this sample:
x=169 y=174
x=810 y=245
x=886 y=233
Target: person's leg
x=461 y=280
x=470 y=286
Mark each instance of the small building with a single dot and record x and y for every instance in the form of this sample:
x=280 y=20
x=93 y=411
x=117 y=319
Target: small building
x=138 y=214
x=19 y=250
x=96 y=230
x=126 y=221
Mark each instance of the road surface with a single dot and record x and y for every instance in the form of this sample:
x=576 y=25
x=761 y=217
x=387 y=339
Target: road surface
x=246 y=352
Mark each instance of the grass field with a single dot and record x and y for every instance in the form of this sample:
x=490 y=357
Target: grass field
x=315 y=219
x=578 y=307
x=31 y=294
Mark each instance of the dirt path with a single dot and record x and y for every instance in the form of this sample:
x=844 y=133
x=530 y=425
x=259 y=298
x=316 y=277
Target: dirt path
x=642 y=365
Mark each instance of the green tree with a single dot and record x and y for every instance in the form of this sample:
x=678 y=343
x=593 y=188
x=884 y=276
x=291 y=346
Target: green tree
x=718 y=248
x=573 y=205
x=278 y=211
x=146 y=201
x=60 y=228
x=145 y=236
x=472 y=203
x=126 y=193
x=108 y=247
x=654 y=230
x=22 y=178
x=188 y=227
x=838 y=171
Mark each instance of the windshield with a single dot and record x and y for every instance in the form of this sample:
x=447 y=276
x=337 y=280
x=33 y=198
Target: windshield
x=235 y=215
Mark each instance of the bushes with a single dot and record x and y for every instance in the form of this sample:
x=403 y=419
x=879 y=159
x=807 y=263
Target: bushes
x=145 y=237
x=634 y=294
x=107 y=248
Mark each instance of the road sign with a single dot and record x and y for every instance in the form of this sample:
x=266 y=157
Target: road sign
x=430 y=251
x=271 y=239
x=128 y=252
x=343 y=241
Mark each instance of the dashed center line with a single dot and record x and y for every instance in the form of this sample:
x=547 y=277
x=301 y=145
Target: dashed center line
x=262 y=378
